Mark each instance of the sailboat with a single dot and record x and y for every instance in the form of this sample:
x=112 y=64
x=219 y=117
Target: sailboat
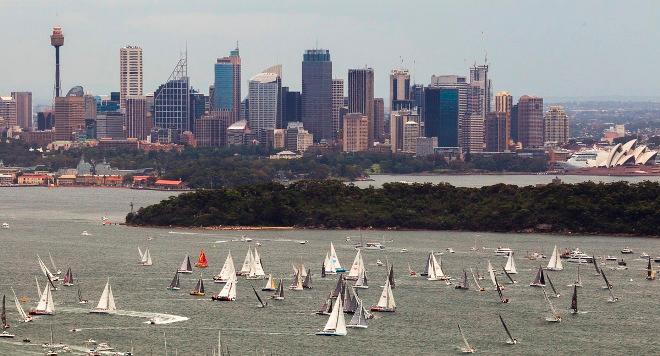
x=539 y=280
x=68 y=278
x=593 y=260
x=476 y=282
x=228 y=292
x=228 y=270
x=386 y=302
x=336 y=325
x=307 y=283
x=52 y=263
x=202 y=262
x=650 y=273
x=491 y=273
x=106 y=304
x=81 y=300
x=45 y=305
x=547 y=276
x=464 y=284
x=24 y=316
x=503 y=300
x=607 y=285
x=511 y=340
x=362 y=282
x=256 y=271
x=411 y=273
x=554 y=317
x=326 y=306
x=297 y=283
x=466 y=348
x=508 y=276
x=186 y=266
x=247 y=263
x=175 y=285
x=578 y=279
x=270 y=284
x=199 y=287
x=359 y=319
x=45 y=270
x=574 y=305
x=3 y=318
x=351 y=300
x=555 y=261
x=510 y=266
x=327 y=266
x=146 y=258
x=262 y=304
x=334 y=261
x=339 y=287
x=356 y=267
x=433 y=269
x=279 y=293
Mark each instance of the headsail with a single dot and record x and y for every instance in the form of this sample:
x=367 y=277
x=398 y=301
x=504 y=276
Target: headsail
x=107 y=301
x=174 y=285
x=555 y=261
x=574 y=305
x=510 y=266
x=202 y=262
x=261 y=302
x=508 y=333
x=186 y=266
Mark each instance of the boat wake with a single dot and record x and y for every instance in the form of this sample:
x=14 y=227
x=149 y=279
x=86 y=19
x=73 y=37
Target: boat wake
x=153 y=318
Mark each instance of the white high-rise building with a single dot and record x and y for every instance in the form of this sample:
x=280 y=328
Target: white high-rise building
x=265 y=98
x=130 y=73
x=337 y=103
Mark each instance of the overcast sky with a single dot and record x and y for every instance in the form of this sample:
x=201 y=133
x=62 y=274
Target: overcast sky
x=572 y=48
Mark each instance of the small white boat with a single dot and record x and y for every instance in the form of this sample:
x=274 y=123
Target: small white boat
x=5 y=226
x=503 y=251
x=379 y=262
x=6 y=334
x=374 y=246
x=257 y=244
x=610 y=258
x=644 y=255
x=246 y=239
x=85 y=233
x=404 y=250
x=450 y=250
x=627 y=250
x=302 y=242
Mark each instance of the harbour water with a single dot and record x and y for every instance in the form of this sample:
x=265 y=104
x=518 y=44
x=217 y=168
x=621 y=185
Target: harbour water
x=51 y=220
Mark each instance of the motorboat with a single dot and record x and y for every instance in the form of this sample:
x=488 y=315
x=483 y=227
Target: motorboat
x=302 y=242
x=450 y=250
x=379 y=262
x=503 y=251
x=5 y=226
x=6 y=334
x=627 y=250
x=577 y=256
x=246 y=239
x=644 y=255
x=404 y=250
x=374 y=246
x=610 y=258
x=85 y=233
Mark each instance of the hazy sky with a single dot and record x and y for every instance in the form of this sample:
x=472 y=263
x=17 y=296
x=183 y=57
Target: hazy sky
x=547 y=48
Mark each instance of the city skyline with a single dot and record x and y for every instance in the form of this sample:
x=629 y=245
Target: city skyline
x=572 y=60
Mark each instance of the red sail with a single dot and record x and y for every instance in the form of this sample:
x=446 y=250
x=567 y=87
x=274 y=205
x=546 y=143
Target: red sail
x=201 y=260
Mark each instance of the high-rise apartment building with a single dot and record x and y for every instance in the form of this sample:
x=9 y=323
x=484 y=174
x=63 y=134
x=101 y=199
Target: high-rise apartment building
x=317 y=93
x=379 y=120
x=504 y=104
x=110 y=125
x=211 y=129
x=23 y=109
x=496 y=131
x=398 y=120
x=513 y=125
x=530 y=121
x=400 y=96
x=227 y=85
x=265 y=95
x=555 y=128
x=361 y=96
x=136 y=117
x=355 y=133
x=292 y=106
x=337 y=104
x=442 y=110
x=7 y=111
x=410 y=135
x=463 y=88
x=70 y=115
x=131 y=80
x=480 y=100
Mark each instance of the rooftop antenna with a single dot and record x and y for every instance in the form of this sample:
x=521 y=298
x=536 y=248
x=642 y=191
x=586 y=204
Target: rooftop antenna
x=236 y=44
x=483 y=43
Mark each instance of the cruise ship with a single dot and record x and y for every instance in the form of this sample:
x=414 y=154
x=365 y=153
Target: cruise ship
x=579 y=159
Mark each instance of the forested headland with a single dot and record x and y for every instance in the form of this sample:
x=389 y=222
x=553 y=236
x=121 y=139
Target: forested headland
x=585 y=208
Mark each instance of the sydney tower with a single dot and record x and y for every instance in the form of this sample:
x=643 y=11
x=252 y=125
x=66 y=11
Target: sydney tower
x=57 y=40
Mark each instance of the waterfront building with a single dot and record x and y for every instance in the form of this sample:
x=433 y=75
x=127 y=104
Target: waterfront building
x=442 y=109
x=337 y=104
x=8 y=115
x=265 y=91
x=417 y=97
x=361 y=96
x=70 y=115
x=355 y=133
x=555 y=127
x=400 y=96
x=317 y=93
x=496 y=135
x=227 y=85
x=131 y=80
x=136 y=117
x=530 y=121
x=23 y=108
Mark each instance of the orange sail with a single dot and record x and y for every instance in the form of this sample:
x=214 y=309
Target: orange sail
x=201 y=260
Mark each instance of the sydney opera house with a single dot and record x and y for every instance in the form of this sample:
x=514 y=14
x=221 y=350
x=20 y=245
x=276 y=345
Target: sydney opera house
x=628 y=154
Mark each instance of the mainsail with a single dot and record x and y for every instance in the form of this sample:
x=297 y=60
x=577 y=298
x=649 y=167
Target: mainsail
x=270 y=284
x=107 y=301
x=174 y=285
x=19 y=308
x=3 y=314
x=52 y=262
x=339 y=287
x=336 y=324
x=547 y=276
x=68 y=278
x=247 y=263
x=539 y=280
x=555 y=261
x=146 y=258
x=228 y=270
x=491 y=273
x=390 y=276
x=307 y=283
x=228 y=292
x=356 y=267
x=510 y=266
x=574 y=305
x=45 y=305
x=359 y=319
x=297 y=283
x=261 y=302
x=362 y=280
x=350 y=300
x=45 y=270
x=508 y=276
x=508 y=333
x=186 y=266
x=199 y=287
x=386 y=301
x=202 y=262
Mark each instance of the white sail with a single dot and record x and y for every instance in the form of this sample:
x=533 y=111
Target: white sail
x=334 y=261
x=19 y=308
x=303 y=270
x=46 y=301
x=430 y=267
x=107 y=301
x=437 y=268
x=185 y=267
x=295 y=269
x=52 y=262
x=491 y=273
x=141 y=254
x=270 y=284
x=256 y=261
x=229 y=290
x=357 y=265
x=511 y=265
x=45 y=270
x=328 y=264
x=387 y=297
x=247 y=263
x=336 y=323
x=146 y=258
x=555 y=261
x=228 y=270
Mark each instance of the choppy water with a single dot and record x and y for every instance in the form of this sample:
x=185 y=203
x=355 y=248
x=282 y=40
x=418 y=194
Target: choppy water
x=44 y=220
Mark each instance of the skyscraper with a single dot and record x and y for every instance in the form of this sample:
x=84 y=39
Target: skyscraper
x=355 y=133
x=410 y=135
x=361 y=96
x=70 y=115
x=461 y=85
x=400 y=97
x=23 y=109
x=8 y=111
x=555 y=128
x=530 y=121
x=130 y=73
x=441 y=115
x=513 y=125
x=136 y=117
x=57 y=41
x=504 y=104
x=479 y=98
x=110 y=125
x=496 y=134
x=292 y=106
x=211 y=129
x=172 y=104
x=379 y=120
x=398 y=120
x=317 y=93
x=227 y=85
x=337 y=103
x=265 y=95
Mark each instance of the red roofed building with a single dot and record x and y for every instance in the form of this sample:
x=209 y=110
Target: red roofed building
x=33 y=179
x=169 y=184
